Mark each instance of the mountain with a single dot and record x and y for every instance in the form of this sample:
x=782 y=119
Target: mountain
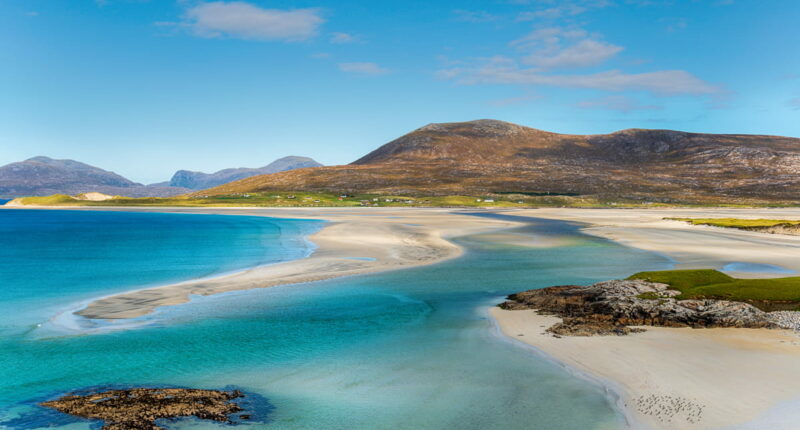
x=41 y=176
x=488 y=156
x=200 y=180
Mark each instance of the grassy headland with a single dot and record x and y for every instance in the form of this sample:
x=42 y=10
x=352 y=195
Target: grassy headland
x=775 y=226
x=766 y=294
x=738 y=223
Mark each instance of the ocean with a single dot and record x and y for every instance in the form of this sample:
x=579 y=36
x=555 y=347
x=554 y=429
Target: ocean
x=410 y=349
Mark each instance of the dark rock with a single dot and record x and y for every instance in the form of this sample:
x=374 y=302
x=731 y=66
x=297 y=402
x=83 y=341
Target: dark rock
x=610 y=307
x=139 y=408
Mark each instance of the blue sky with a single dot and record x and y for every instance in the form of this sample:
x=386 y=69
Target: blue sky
x=148 y=87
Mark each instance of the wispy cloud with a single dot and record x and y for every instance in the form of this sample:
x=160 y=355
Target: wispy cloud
x=342 y=38
x=617 y=103
x=510 y=101
x=552 y=10
x=501 y=70
x=794 y=103
x=556 y=48
x=368 y=69
x=675 y=24
x=247 y=21
x=474 y=15
x=545 y=55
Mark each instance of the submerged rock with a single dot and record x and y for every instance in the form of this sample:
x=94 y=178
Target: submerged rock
x=611 y=307
x=139 y=408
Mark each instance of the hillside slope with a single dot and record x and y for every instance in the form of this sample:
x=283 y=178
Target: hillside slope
x=42 y=176
x=488 y=156
x=200 y=180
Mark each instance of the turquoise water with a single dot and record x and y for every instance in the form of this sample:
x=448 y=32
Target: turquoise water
x=50 y=259
x=410 y=349
x=756 y=268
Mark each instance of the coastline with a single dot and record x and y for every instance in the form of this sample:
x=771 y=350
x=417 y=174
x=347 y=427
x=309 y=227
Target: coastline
x=358 y=241
x=351 y=242
x=681 y=378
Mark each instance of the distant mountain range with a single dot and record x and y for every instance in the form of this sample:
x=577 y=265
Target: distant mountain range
x=200 y=180
x=41 y=176
x=488 y=156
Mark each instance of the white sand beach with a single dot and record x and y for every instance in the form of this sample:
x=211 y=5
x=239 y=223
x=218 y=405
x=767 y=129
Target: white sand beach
x=354 y=242
x=681 y=378
x=688 y=245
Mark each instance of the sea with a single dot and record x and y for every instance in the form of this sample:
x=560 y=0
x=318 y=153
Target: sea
x=408 y=349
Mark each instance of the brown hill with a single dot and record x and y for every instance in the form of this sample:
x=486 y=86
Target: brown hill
x=488 y=156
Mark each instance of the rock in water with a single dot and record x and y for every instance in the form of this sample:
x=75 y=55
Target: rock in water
x=139 y=408
x=611 y=307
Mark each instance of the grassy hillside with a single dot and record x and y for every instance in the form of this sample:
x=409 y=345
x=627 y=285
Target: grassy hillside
x=767 y=294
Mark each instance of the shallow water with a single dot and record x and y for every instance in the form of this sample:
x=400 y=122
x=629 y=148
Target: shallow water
x=756 y=268
x=49 y=259
x=410 y=349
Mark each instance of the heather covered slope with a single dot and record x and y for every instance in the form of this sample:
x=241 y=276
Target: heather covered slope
x=488 y=156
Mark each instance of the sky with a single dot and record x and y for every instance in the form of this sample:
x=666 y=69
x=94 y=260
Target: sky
x=147 y=87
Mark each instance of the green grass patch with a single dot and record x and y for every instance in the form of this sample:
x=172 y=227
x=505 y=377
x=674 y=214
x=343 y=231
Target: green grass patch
x=767 y=294
x=738 y=223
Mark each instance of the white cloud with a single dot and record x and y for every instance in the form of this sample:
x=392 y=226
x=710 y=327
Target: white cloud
x=557 y=48
x=341 y=38
x=586 y=52
x=562 y=9
x=370 y=69
x=502 y=70
x=474 y=15
x=544 y=53
x=246 y=21
x=510 y=101
x=618 y=103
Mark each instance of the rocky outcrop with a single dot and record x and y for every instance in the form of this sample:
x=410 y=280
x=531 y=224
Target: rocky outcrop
x=139 y=408
x=612 y=307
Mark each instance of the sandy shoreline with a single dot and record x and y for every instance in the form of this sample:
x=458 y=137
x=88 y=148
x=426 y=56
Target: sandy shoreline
x=672 y=378
x=353 y=242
